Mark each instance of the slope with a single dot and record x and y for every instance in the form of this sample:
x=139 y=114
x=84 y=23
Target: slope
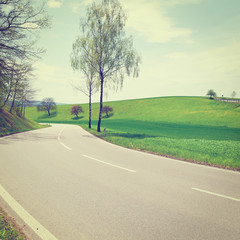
x=189 y=128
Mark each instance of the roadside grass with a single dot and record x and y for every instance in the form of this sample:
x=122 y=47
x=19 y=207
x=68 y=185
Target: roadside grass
x=11 y=123
x=189 y=128
x=7 y=229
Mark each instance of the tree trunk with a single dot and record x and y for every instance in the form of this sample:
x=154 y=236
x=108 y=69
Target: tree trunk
x=8 y=95
x=9 y=92
x=14 y=96
x=90 y=108
x=24 y=110
x=100 y=111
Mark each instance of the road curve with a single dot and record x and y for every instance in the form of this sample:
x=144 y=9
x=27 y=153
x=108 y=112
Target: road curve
x=79 y=187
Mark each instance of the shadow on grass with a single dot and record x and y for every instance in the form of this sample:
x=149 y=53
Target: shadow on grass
x=77 y=118
x=109 y=115
x=45 y=116
x=130 y=135
x=143 y=129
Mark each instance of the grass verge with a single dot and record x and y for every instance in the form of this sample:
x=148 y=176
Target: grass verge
x=8 y=228
x=220 y=153
x=190 y=128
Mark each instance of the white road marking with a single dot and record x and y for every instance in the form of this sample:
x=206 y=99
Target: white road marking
x=59 y=139
x=113 y=165
x=59 y=134
x=65 y=146
x=40 y=230
x=216 y=194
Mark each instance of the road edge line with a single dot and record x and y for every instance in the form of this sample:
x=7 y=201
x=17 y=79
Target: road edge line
x=37 y=227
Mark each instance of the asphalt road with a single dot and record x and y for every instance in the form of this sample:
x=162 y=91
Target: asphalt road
x=79 y=187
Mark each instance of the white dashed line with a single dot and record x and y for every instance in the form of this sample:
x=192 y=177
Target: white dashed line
x=216 y=194
x=113 y=165
x=59 y=139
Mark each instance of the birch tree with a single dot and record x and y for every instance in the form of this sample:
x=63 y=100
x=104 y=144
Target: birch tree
x=88 y=84
x=111 y=55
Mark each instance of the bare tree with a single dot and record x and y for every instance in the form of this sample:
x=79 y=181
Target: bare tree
x=23 y=72
x=47 y=104
x=20 y=22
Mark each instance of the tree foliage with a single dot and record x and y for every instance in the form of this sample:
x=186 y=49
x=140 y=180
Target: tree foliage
x=88 y=84
x=107 y=109
x=47 y=104
x=211 y=93
x=76 y=109
x=233 y=94
x=105 y=46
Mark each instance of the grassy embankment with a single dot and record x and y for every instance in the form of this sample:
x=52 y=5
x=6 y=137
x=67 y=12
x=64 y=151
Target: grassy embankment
x=8 y=230
x=11 y=123
x=190 y=128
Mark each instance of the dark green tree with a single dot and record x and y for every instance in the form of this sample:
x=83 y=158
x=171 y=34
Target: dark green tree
x=211 y=93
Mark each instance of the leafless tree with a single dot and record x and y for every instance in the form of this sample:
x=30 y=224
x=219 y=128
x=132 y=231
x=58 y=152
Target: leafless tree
x=20 y=23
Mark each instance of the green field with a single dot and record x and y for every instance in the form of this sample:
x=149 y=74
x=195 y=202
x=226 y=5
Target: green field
x=190 y=128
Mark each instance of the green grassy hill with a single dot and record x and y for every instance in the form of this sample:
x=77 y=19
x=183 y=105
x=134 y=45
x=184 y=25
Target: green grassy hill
x=191 y=128
x=10 y=123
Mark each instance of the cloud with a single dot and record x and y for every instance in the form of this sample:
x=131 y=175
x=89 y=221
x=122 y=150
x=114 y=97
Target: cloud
x=178 y=2
x=75 y=6
x=149 y=19
x=54 y=4
x=80 y=5
x=216 y=68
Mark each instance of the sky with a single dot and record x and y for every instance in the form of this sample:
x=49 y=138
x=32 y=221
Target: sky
x=187 y=47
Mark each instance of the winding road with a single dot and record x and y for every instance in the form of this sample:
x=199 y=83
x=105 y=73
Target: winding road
x=62 y=183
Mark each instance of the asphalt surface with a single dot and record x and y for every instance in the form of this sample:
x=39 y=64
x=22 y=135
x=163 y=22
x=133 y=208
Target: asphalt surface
x=82 y=188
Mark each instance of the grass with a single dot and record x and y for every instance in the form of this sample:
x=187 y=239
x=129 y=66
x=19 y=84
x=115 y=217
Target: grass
x=191 y=128
x=8 y=230
x=11 y=123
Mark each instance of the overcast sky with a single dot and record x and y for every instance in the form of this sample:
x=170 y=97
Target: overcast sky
x=187 y=47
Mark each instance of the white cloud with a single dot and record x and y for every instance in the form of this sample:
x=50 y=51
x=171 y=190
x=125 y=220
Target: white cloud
x=149 y=19
x=178 y=2
x=54 y=4
x=216 y=68
x=75 y=6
